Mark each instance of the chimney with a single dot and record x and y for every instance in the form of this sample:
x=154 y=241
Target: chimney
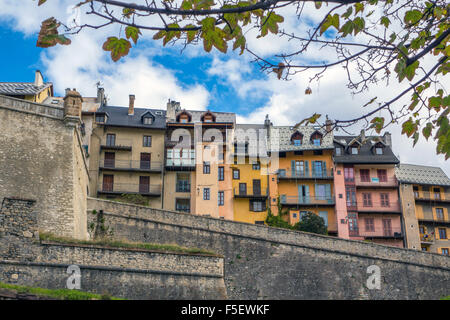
x=172 y=108
x=100 y=96
x=72 y=104
x=387 y=139
x=131 y=105
x=328 y=124
x=363 y=135
x=38 y=79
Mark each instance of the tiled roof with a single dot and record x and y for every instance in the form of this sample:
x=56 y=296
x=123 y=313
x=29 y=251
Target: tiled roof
x=365 y=153
x=22 y=88
x=118 y=116
x=284 y=133
x=89 y=104
x=410 y=173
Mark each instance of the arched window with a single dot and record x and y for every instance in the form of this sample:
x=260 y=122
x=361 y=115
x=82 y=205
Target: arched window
x=184 y=117
x=208 y=116
x=297 y=139
x=316 y=138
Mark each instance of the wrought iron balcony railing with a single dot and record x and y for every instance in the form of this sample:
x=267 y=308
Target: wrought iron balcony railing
x=250 y=192
x=289 y=174
x=131 y=165
x=375 y=182
x=116 y=144
x=307 y=200
x=129 y=188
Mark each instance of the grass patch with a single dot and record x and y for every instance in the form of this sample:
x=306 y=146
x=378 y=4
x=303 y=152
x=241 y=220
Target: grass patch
x=63 y=294
x=445 y=298
x=126 y=244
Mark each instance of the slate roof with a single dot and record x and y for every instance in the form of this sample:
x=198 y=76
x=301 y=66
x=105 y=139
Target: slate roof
x=118 y=116
x=365 y=153
x=411 y=173
x=221 y=117
x=22 y=88
x=284 y=134
x=89 y=104
x=252 y=134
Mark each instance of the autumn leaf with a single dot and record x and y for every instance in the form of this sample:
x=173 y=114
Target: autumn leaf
x=118 y=47
x=41 y=2
x=49 y=36
x=133 y=33
x=308 y=90
x=279 y=70
x=270 y=23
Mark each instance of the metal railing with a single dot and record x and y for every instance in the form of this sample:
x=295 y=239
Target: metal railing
x=427 y=238
x=289 y=174
x=250 y=192
x=375 y=182
x=430 y=217
x=432 y=196
x=394 y=232
x=116 y=143
x=140 y=165
x=179 y=162
x=307 y=200
x=127 y=188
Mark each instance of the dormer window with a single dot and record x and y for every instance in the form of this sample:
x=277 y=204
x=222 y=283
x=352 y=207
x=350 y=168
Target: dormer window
x=378 y=150
x=208 y=116
x=338 y=151
x=147 y=120
x=184 y=117
x=354 y=150
x=296 y=139
x=316 y=138
x=100 y=118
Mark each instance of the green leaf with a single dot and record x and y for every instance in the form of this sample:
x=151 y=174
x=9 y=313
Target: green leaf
x=190 y=33
x=385 y=21
x=410 y=71
x=186 y=5
x=415 y=138
x=270 y=23
x=347 y=13
x=318 y=4
x=359 y=7
x=347 y=28
x=359 y=24
x=49 y=36
x=412 y=17
x=133 y=33
x=239 y=43
x=378 y=123
x=426 y=131
x=409 y=127
x=118 y=47
x=213 y=36
x=203 y=4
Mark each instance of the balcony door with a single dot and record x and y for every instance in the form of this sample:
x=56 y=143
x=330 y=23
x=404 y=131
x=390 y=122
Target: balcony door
x=108 y=182
x=242 y=189
x=145 y=160
x=110 y=160
x=257 y=187
x=303 y=194
x=144 y=184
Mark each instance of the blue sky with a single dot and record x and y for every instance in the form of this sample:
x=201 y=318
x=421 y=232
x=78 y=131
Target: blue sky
x=197 y=79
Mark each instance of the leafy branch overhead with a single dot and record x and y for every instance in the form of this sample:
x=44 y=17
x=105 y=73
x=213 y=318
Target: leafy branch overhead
x=376 y=42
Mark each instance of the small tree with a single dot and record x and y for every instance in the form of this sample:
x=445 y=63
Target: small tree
x=311 y=222
x=277 y=220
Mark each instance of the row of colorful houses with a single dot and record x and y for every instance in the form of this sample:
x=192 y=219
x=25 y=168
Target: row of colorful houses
x=204 y=163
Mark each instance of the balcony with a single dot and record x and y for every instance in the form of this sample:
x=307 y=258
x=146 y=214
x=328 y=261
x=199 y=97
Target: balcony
x=250 y=193
x=441 y=197
x=427 y=239
x=299 y=175
x=381 y=233
x=130 y=165
x=116 y=144
x=374 y=182
x=430 y=218
x=180 y=164
x=379 y=207
x=130 y=188
x=307 y=201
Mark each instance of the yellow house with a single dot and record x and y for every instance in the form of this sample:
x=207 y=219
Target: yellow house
x=304 y=178
x=36 y=91
x=127 y=154
x=249 y=174
x=425 y=198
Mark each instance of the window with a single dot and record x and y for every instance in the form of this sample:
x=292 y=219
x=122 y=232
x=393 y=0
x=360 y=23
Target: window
x=367 y=199
x=282 y=154
x=437 y=193
x=422 y=229
x=221 y=198
x=382 y=175
x=349 y=174
x=318 y=152
x=316 y=139
x=257 y=205
x=351 y=197
x=354 y=150
x=206 y=194
x=424 y=249
x=384 y=197
x=183 y=183
x=110 y=139
x=221 y=173
x=296 y=139
x=256 y=166
x=110 y=160
x=100 y=118
x=144 y=184
x=444 y=251
x=297 y=142
x=439 y=213
x=365 y=175
x=206 y=168
x=298 y=153
x=148 y=120
x=147 y=141
x=183 y=205
x=236 y=174
x=370 y=226
x=243 y=189
x=416 y=191
x=338 y=151
x=378 y=150
x=282 y=172
x=442 y=233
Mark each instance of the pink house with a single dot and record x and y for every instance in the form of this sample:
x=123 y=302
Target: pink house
x=366 y=190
